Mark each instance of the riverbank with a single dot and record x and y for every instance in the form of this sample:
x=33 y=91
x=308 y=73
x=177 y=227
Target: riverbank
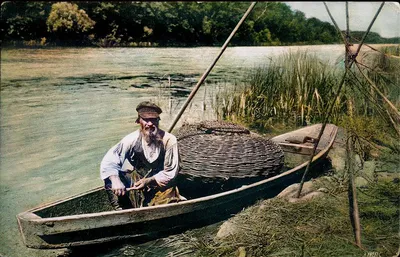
x=43 y=43
x=319 y=223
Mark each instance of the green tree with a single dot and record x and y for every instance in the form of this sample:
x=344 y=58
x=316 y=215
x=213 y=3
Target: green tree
x=24 y=20
x=67 y=22
x=165 y=23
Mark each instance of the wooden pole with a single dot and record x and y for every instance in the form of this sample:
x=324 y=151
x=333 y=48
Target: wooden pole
x=344 y=39
x=393 y=108
x=347 y=19
x=196 y=88
x=347 y=39
x=369 y=28
x=330 y=107
x=334 y=23
x=348 y=56
x=353 y=190
x=352 y=193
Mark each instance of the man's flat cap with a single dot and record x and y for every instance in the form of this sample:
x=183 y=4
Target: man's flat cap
x=148 y=110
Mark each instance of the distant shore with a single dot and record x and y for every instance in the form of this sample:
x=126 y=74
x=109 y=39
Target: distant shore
x=45 y=44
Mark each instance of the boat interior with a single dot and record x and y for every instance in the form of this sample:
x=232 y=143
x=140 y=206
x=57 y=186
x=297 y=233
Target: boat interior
x=191 y=188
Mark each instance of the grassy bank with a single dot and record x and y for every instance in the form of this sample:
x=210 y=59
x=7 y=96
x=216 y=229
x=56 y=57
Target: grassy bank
x=296 y=90
x=321 y=227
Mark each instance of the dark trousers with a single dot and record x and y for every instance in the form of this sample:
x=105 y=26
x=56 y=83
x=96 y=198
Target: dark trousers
x=122 y=201
x=139 y=198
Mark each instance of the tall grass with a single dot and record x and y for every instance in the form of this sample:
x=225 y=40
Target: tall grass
x=296 y=89
x=382 y=69
x=373 y=90
x=292 y=90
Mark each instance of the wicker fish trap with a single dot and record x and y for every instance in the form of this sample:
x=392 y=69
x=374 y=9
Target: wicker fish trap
x=224 y=150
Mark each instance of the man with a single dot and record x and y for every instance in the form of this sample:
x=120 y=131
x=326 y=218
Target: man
x=153 y=154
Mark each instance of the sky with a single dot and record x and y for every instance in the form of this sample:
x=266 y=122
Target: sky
x=387 y=24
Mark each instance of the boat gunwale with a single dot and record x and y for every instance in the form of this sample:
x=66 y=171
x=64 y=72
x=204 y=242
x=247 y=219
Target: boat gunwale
x=27 y=215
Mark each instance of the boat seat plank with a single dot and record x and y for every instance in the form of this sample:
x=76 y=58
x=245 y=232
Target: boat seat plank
x=305 y=149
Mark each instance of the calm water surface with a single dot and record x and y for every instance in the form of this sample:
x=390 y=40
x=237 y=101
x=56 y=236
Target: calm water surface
x=63 y=108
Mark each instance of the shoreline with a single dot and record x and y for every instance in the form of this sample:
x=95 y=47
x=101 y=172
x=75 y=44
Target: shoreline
x=38 y=45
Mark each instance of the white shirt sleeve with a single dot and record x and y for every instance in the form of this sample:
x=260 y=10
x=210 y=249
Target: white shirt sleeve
x=171 y=161
x=115 y=157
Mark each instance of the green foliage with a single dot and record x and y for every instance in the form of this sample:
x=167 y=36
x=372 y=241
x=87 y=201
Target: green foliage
x=263 y=37
x=293 y=90
x=167 y=23
x=170 y=23
x=24 y=20
x=66 y=20
x=371 y=37
x=118 y=22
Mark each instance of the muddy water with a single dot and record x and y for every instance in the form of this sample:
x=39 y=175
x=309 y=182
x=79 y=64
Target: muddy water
x=63 y=108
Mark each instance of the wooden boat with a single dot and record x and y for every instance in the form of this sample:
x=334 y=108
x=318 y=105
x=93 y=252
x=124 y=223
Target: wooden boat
x=87 y=218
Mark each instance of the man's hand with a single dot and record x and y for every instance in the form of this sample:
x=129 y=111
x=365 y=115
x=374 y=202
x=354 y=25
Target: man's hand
x=116 y=185
x=142 y=183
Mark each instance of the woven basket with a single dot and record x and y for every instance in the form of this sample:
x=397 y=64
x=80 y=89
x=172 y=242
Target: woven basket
x=219 y=150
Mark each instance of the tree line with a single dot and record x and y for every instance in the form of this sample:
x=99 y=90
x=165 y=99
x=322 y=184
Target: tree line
x=159 y=24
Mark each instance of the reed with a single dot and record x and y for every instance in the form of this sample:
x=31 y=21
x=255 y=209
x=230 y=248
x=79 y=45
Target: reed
x=374 y=95
x=293 y=90
x=382 y=68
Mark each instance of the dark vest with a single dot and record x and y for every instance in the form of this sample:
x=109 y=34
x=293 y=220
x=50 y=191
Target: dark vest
x=138 y=160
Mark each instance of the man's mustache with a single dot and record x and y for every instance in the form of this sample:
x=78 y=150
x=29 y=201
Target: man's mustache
x=151 y=136
x=150 y=130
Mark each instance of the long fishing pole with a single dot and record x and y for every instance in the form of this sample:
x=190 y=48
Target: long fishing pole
x=196 y=88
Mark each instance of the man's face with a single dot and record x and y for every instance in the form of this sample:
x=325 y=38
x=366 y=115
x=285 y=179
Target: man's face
x=149 y=126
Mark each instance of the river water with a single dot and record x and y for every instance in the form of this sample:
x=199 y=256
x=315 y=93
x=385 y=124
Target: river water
x=63 y=108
